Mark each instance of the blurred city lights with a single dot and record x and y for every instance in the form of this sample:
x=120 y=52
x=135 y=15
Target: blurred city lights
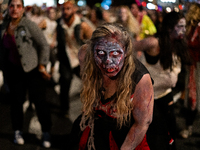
x=106 y=4
x=151 y=6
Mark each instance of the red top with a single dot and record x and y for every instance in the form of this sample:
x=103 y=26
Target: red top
x=194 y=43
x=10 y=45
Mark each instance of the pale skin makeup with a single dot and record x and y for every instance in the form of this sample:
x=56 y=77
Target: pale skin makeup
x=109 y=56
x=179 y=29
x=143 y=98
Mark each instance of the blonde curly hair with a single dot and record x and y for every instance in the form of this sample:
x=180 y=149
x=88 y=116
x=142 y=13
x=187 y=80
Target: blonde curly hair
x=131 y=24
x=92 y=76
x=192 y=16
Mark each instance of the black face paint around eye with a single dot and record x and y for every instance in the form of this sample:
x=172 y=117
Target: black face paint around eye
x=109 y=56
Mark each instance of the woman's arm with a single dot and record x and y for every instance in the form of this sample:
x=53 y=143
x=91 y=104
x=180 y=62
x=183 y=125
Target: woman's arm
x=142 y=112
x=150 y=45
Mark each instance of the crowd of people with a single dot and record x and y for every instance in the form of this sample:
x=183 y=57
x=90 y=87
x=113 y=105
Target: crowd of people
x=128 y=59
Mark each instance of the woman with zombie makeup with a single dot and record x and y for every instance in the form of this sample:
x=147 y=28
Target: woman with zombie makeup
x=163 y=58
x=117 y=94
x=24 y=52
x=192 y=95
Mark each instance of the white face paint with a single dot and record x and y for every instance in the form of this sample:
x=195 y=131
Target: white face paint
x=180 y=29
x=109 y=56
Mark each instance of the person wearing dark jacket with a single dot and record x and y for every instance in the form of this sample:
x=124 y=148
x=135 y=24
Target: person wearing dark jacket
x=24 y=53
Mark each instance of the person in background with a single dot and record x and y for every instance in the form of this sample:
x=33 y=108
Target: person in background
x=117 y=93
x=157 y=17
x=96 y=16
x=37 y=16
x=83 y=15
x=146 y=24
x=163 y=58
x=50 y=35
x=192 y=93
x=24 y=53
x=129 y=21
x=71 y=34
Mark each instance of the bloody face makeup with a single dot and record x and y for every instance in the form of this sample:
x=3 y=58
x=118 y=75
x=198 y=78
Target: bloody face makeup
x=16 y=9
x=109 y=56
x=180 y=29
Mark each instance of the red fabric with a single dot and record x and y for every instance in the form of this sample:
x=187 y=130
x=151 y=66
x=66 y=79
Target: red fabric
x=84 y=138
x=10 y=44
x=113 y=145
x=143 y=145
x=193 y=44
x=192 y=88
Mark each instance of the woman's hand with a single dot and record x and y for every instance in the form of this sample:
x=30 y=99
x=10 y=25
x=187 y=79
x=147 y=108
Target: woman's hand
x=44 y=73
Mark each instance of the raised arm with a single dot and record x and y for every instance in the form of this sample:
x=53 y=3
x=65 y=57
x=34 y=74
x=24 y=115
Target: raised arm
x=143 y=101
x=149 y=44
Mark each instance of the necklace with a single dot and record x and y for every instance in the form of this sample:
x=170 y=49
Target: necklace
x=11 y=26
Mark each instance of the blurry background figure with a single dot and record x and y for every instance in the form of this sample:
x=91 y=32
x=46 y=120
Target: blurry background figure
x=24 y=53
x=83 y=14
x=37 y=16
x=96 y=16
x=71 y=34
x=157 y=18
x=50 y=35
x=28 y=12
x=192 y=95
x=128 y=21
x=147 y=26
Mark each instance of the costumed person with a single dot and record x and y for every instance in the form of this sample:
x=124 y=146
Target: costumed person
x=192 y=90
x=163 y=58
x=24 y=53
x=71 y=35
x=117 y=94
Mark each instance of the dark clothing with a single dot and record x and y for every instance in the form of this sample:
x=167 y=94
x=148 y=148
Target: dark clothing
x=66 y=72
x=20 y=55
x=19 y=83
x=65 y=84
x=163 y=126
x=107 y=135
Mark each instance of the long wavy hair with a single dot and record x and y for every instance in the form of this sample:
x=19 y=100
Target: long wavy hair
x=192 y=16
x=92 y=76
x=131 y=23
x=169 y=47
